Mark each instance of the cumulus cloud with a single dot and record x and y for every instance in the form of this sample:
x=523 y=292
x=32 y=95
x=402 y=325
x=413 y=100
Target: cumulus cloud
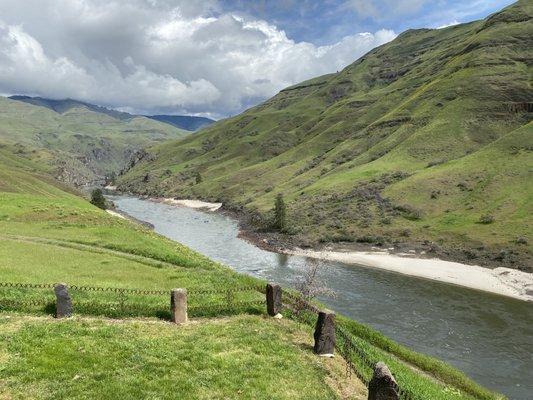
x=155 y=56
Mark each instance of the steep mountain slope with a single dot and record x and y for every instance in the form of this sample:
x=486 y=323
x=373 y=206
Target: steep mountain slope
x=187 y=122
x=425 y=140
x=82 y=143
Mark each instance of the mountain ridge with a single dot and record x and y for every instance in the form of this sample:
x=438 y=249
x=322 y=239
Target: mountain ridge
x=83 y=147
x=185 y=122
x=344 y=148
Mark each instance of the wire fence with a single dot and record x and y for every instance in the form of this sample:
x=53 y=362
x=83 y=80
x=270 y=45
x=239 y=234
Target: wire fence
x=126 y=302
x=351 y=348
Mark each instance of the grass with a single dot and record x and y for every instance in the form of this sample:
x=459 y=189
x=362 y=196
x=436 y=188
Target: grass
x=382 y=348
x=50 y=235
x=245 y=357
x=435 y=106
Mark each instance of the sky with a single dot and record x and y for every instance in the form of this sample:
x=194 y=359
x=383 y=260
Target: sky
x=213 y=58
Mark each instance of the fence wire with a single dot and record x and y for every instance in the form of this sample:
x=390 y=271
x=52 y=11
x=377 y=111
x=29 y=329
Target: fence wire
x=128 y=302
x=346 y=344
x=120 y=302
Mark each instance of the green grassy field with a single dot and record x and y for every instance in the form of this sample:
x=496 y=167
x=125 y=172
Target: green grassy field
x=48 y=235
x=414 y=143
x=245 y=357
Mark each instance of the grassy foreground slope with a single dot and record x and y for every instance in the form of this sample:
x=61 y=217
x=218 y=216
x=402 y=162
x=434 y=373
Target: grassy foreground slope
x=425 y=140
x=80 y=144
x=48 y=234
x=245 y=357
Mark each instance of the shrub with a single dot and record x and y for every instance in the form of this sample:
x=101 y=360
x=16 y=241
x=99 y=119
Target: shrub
x=521 y=240
x=409 y=212
x=98 y=199
x=198 y=177
x=486 y=219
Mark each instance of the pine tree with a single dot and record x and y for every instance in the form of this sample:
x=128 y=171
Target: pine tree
x=98 y=199
x=280 y=214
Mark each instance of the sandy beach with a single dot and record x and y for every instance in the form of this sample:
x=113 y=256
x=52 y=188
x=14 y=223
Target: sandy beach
x=503 y=281
x=116 y=214
x=198 y=204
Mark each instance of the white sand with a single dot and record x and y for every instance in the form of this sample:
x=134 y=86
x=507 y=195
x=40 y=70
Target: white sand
x=202 y=205
x=502 y=281
x=116 y=214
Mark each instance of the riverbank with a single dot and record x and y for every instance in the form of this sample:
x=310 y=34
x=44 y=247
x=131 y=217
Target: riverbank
x=503 y=281
x=196 y=204
x=450 y=322
x=500 y=280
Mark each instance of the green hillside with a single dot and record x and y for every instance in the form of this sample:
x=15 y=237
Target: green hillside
x=49 y=234
x=81 y=145
x=423 y=142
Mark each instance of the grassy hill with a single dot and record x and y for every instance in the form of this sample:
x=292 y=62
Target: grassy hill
x=425 y=141
x=81 y=143
x=50 y=234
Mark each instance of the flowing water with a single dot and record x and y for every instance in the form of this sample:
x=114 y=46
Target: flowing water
x=488 y=337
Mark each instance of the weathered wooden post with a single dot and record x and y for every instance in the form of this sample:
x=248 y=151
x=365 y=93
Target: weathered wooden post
x=63 y=301
x=178 y=305
x=382 y=386
x=325 y=334
x=273 y=299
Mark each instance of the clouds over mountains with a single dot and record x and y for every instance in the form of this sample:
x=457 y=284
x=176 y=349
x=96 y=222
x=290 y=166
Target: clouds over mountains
x=158 y=56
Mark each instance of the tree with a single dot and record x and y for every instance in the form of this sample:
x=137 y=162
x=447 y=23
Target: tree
x=310 y=284
x=98 y=199
x=198 y=177
x=280 y=214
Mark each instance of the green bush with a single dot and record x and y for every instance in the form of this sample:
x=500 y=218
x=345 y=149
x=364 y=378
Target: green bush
x=98 y=199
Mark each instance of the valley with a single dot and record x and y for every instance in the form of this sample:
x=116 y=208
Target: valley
x=424 y=143
x=381 y=213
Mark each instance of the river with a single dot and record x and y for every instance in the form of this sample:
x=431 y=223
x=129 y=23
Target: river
x=489 y=337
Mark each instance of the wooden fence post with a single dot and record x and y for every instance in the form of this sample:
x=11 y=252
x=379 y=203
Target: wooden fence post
x=63 y=301
x=273 y=299
x=325 y=333
x=178 y=305
x=382 y=386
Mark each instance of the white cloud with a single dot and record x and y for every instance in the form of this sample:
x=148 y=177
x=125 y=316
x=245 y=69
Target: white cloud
x=157 y=55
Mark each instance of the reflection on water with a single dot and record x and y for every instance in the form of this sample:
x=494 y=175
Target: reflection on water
x=489 y=337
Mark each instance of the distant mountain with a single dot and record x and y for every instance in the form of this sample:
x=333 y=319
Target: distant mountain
x=426 y=140
x=186 y=122
x=62 y=106
x=189 y=123
x=81 y=143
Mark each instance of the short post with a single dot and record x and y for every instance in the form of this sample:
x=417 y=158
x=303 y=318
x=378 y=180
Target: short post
x=63 y=301
x=178 y=305
x=273 y=299
x=325 y=334
x=382 y=386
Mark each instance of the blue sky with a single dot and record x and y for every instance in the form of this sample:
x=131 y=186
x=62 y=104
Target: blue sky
x=327 y=21
x=210 y=57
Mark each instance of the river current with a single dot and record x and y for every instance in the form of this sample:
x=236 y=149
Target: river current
x=489 y=337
